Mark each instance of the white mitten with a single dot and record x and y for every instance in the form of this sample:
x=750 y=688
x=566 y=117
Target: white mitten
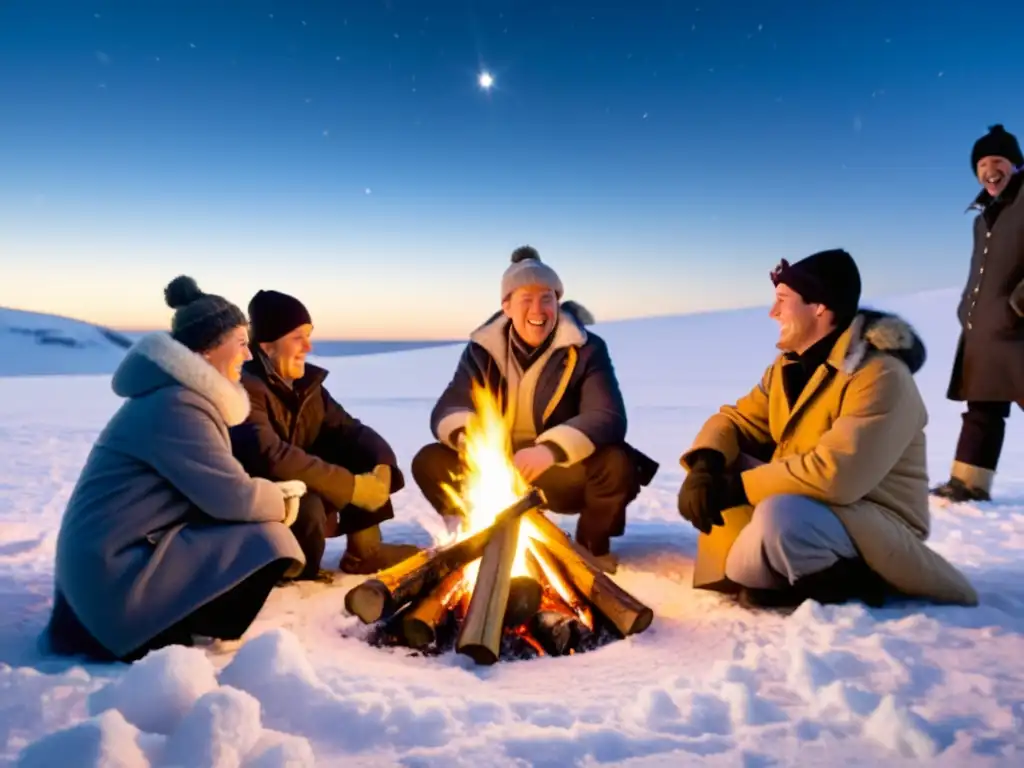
x=292 y=489
x=291 y=510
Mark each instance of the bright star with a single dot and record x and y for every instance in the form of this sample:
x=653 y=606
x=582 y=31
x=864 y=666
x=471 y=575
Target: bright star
x=486 y=80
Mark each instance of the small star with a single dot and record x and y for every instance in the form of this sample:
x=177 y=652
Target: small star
x=486 y=80
x=327 y=132
x=191 y=45
x=941 y=74
x=367 y=191
x=644 y=117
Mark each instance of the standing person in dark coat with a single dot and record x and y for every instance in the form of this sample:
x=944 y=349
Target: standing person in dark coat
x=166 y=539
x=989 y=370
x=297 y=431
x=568 y=418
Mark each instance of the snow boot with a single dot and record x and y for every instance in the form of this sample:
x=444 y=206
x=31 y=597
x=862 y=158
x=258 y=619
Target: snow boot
x=958 y=492
x=842 y=582
x=367 y=554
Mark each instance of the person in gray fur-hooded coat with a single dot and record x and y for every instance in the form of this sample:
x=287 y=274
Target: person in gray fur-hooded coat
x=166 y=539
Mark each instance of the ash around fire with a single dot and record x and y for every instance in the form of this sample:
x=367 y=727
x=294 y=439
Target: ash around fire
x=547 y=633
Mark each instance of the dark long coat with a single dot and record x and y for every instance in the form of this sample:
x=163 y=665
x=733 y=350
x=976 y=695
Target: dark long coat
x=989 y=362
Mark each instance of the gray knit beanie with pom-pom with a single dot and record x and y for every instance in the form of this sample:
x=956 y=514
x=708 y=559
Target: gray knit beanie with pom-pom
x=200 y=319
x=527 y=269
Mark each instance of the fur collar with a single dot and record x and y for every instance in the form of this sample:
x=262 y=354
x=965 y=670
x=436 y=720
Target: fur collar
x=136 y=375
x=493 y=335
x=881 y=332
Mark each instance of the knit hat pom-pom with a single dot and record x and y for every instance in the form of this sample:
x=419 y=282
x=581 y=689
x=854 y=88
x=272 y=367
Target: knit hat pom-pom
x=524 y=253
x=181 y=291
x=997 y=128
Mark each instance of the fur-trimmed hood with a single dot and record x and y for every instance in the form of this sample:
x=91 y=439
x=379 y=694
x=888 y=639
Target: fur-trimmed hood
x=157 y=361
x=569 y=332
x=883 y=332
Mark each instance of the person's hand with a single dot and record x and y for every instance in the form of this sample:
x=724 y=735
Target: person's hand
x=292 y=489
x=383 y=473
x=291 y=510
x=709 y=489
x=533 y=462
x=369 y=493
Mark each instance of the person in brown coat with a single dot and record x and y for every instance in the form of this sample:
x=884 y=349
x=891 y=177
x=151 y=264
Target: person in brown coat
x=989 y=369
x=814 y=485
x=297 y=431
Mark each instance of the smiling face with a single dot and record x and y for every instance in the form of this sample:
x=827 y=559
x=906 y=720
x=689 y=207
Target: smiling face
x=288 y=354
x=230 y=353
x=994 y=174
x=800 y=324
x=533 y=310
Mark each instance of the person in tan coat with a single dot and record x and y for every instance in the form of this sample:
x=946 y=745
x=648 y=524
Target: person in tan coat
x=814 y=485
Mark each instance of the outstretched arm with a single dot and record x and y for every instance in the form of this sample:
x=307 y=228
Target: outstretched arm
x=881 y=414
x=746 y=422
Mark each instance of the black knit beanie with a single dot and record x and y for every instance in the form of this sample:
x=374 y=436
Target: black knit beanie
x=273 y=314
x=828 y=277
x=200 y=319
x=998 y=142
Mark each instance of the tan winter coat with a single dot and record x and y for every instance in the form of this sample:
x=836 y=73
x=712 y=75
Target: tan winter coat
x=854 y=440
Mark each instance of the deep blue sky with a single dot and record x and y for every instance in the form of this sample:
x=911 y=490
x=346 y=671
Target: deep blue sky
x=662 y=156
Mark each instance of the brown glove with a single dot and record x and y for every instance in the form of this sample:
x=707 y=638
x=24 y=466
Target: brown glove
x=1017 y=299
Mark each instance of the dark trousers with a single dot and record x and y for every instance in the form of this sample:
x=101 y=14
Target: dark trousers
x=598 y=489
x=982 y=433
x=318 y=521
x=226 y=617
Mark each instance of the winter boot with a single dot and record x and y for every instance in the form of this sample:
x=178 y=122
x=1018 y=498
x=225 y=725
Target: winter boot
x=843 y=581
x=966 y=483
x=367 y=554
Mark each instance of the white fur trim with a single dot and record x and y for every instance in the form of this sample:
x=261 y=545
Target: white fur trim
x=577 y=446
x=448 y=424
x=491 y=336
x=888 y=333
x=193 y=372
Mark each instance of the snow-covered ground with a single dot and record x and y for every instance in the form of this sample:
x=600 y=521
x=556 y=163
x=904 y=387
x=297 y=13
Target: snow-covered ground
x=707 y=684
x=34 y=344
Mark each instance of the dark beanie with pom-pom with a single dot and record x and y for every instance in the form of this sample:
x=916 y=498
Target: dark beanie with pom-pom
x=527 y=269
x=998 y=142
x=200 y=319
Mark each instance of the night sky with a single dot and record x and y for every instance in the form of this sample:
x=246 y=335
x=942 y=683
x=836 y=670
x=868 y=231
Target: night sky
x=662 y=156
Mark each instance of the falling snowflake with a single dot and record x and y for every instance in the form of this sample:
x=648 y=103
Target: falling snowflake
x=644 y=117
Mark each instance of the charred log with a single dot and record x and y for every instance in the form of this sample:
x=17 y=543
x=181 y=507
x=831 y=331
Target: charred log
x=558 y=633
x=627 y=614
x=398 y=585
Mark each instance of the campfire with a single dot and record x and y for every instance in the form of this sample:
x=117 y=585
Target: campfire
x=509 y=584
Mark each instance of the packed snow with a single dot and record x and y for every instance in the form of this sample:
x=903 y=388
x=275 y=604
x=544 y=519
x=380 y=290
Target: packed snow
x=708 y=684
x=33 y=344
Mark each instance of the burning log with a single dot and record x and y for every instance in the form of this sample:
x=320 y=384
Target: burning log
x=524 y=598
x=627 y=614
x=558 y=633
x=419 y=625
x=480 y=637
x=398 y=585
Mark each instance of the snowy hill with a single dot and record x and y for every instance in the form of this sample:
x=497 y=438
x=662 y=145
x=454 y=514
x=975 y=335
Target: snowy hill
x=34 y=344
x=707 y=684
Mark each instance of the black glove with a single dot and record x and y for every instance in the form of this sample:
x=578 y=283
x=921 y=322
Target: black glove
x=708 y=489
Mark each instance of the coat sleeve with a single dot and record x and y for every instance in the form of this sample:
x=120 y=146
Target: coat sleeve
x=602 y=417
x=188 y=448
x=452 y=410
x=880 y=415
x=342 y=426
x=746 y=422
x=265 y=453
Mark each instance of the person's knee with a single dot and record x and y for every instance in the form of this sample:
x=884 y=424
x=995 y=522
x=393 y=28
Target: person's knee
x=612 y=467
x=433 y=464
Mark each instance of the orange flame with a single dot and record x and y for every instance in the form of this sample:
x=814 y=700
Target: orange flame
x=490 y=483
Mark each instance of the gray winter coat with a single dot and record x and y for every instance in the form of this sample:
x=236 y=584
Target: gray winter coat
x=163 y=518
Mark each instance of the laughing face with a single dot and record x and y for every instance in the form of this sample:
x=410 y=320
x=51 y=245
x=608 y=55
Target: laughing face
x=533 y=310
x=288 y=354
x=994 y=174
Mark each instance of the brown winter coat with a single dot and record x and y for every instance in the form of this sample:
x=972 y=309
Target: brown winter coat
x=990 y=355
x=854 y=439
